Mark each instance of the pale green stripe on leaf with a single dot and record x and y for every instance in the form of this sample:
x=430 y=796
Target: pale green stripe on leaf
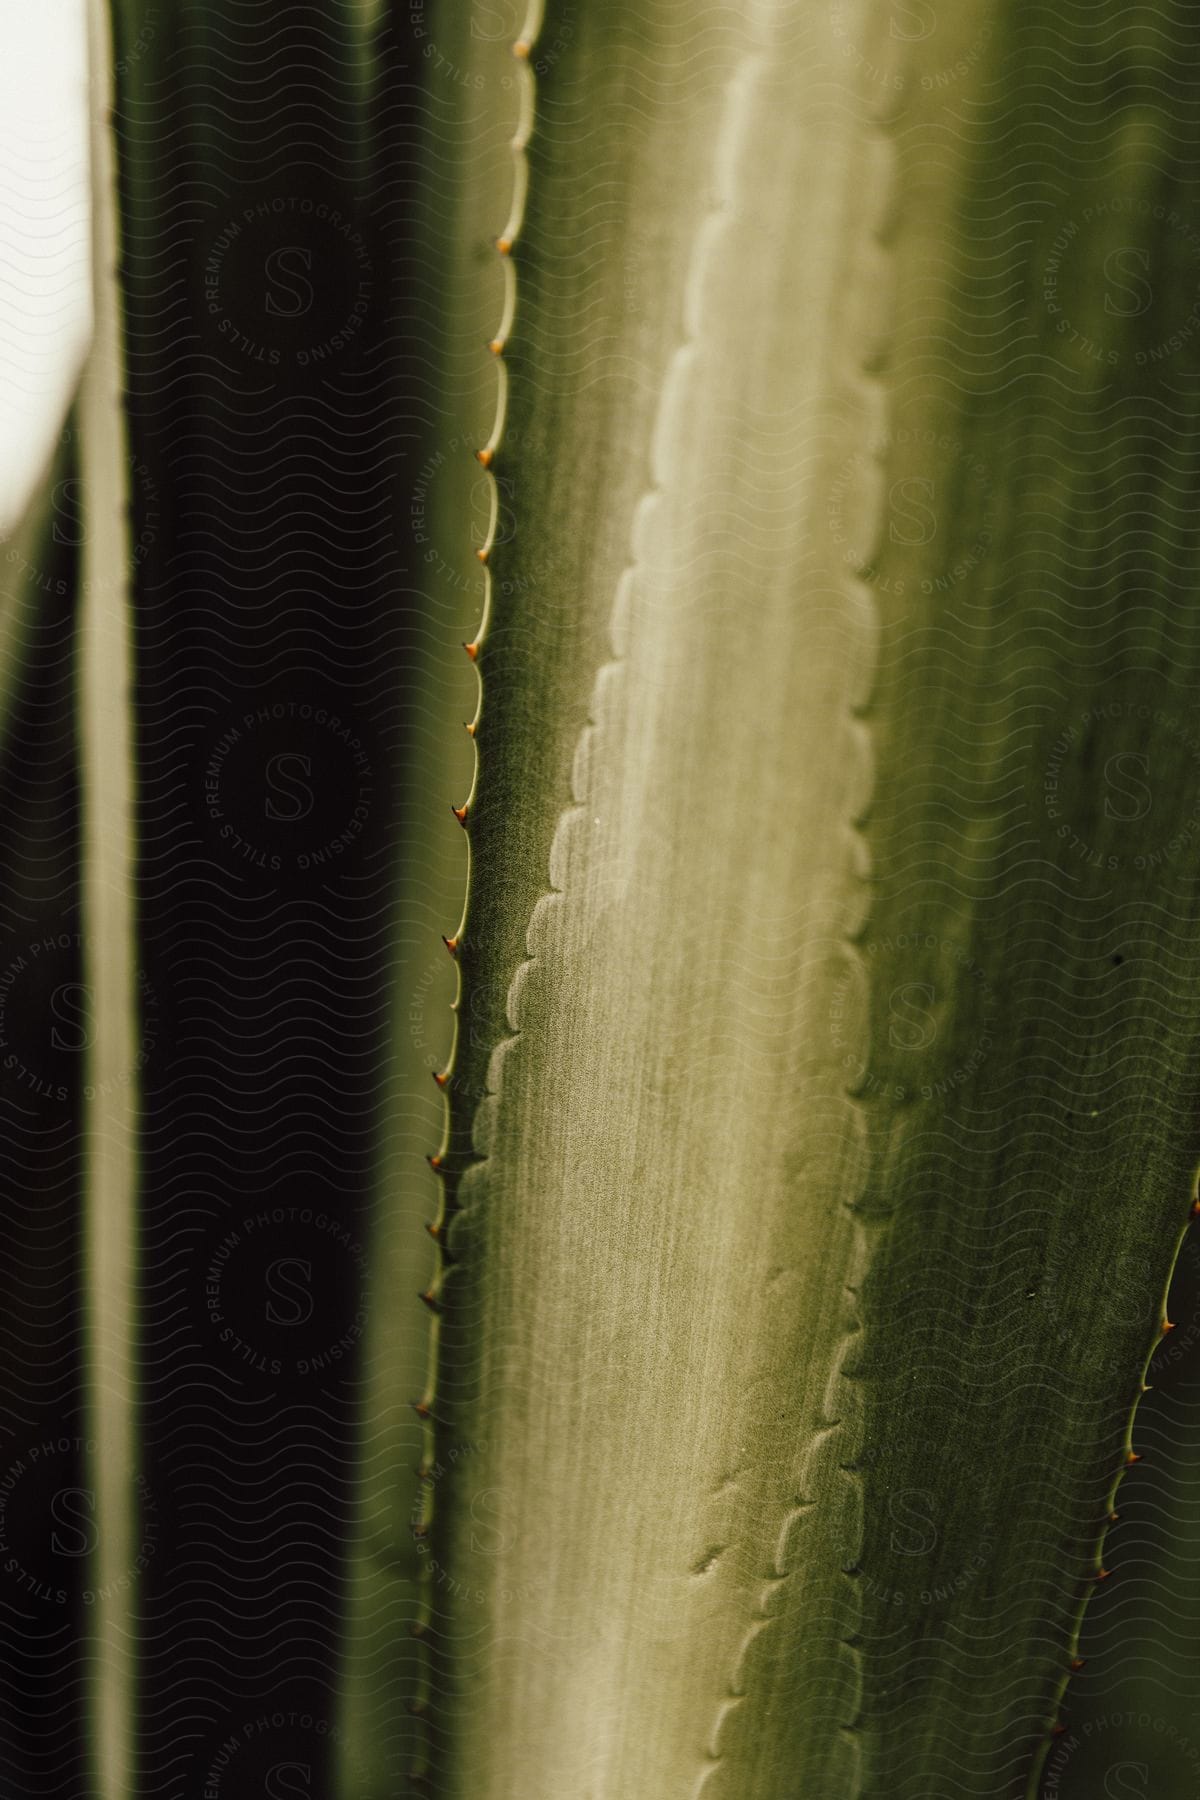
x=642 y=1371
x=106 y=745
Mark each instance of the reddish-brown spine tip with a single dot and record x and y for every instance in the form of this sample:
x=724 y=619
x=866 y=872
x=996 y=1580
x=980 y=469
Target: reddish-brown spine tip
x=440 y=1076
x=421 y=1408
x=469 y=727
x=521 y=50
x=1113 y=1517
x=484 y=456
x=1057 y=1730
x=460 y=813
x=481 y=555
x=472 y=651
x=431 y=1300
x=1168 y=1325
x=451 y=944
x=434 y=1160
x=423 y=1471
x=504 y=245
x=420 y=1530
x=434 y=1229
x=1077 y=1663
x=1132 y=1457
x=1196 y=1207
x=497 y=349
x=1102 y=1575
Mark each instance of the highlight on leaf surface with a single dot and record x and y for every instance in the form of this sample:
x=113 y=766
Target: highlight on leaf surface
x=756 y=969
x=790 y=410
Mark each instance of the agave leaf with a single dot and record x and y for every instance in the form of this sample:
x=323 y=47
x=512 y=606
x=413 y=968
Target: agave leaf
x=808 y=1245
x=265 y=294
x=107 y=855
x=447 y=418
x=1034 y=1130
x=642 y=1414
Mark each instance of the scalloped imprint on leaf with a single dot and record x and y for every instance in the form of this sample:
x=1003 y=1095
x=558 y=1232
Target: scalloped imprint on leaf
x=643 y=1414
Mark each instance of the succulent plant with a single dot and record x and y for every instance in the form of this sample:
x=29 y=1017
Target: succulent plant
x=791 y=406
x=806 y=1229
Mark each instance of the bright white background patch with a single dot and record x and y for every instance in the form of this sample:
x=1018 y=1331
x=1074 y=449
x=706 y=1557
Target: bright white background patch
x=45 y=299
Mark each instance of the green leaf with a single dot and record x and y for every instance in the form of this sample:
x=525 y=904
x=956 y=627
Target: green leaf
x=836 y=1131
x=649 y=1312
x=110 y=1180
x=380 y=1739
